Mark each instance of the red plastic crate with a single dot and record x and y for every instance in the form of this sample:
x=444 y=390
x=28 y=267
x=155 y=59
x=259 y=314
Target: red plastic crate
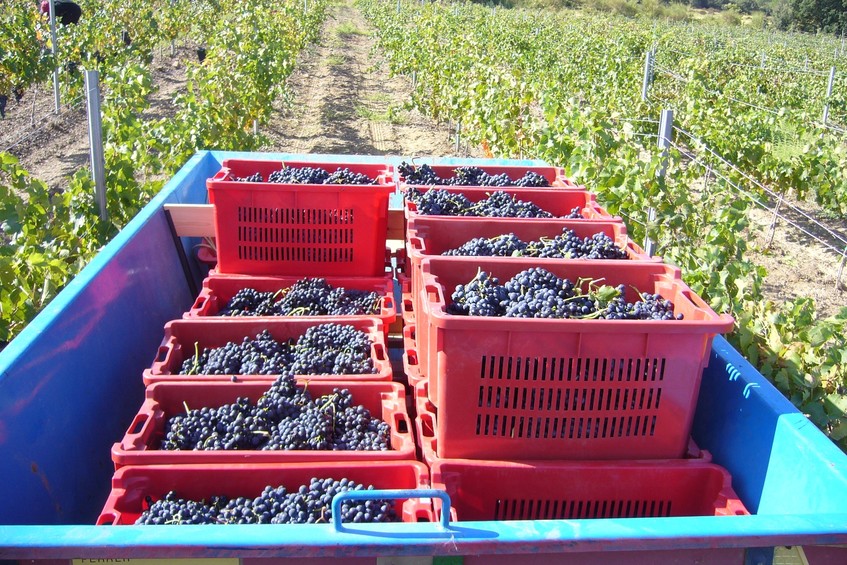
x=426 y=423
x=181 y=336
x=387 y=270
x=140 y=444
x=407 y=310
x=219 y=289
x=564 y=389
x=430 y=236
x=557 y=202
x=410 y=356
x=291 y=229
x=131 y=484
x=555 y=175
x=207 y=256
x=382 y=173
x=504 y=490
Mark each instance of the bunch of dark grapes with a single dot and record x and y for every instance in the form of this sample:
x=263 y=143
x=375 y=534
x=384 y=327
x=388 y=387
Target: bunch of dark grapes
x=498 y=204
x=170 y=509
x=306 y=297
x=299 y=175
x=468 y=176
x=234 y=426
x=501 y=204
x=650 y=307
x=482 y=296
x=308 y=504
x=325 y=349
x=255 y=177
x=423 y=175
x=566 y=245
x=575 y=213
x=438 y=202
x=538 y=293
x=507 y=245
x=284 y=418
x=251 y=302
x=333 y=349
x=532 y=180
x=317 y=175
x=260 y=356
x=312 y=505
x=341 y=302
x=346 y=176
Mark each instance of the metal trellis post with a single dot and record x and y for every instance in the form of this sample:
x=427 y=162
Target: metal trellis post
x=95 y=137
x=829 y=86
x=665 y=132
x=54 y=47
x=648 y=71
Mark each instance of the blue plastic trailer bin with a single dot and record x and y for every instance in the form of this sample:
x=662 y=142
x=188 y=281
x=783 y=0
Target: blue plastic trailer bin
x=70 y=384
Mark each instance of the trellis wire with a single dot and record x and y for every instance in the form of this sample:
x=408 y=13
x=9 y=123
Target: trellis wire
x=632 y=133
x=783 y=71
x=833 y=127
x=637 y=120
x=718 y=94
x=767 y=190
x=721 y=95
x=760 y=203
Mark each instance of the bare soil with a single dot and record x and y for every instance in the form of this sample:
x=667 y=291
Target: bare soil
x=801 y=259
x=343 y=101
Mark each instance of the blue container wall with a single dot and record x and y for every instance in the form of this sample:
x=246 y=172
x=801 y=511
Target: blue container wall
x=71 y=383
x=780 y=462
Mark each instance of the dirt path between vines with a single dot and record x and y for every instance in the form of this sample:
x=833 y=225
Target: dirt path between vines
x=345 y=102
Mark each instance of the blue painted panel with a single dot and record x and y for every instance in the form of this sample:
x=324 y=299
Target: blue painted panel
x=780 y=462
x=70 y=383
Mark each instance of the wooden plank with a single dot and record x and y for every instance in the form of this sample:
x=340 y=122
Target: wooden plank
x=192 y=220
x=396 y=225
x=197 y=220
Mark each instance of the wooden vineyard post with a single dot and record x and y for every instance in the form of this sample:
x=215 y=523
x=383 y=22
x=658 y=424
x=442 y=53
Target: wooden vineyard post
x=772 y=229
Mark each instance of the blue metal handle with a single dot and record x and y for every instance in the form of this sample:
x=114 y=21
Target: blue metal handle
x=378 y=494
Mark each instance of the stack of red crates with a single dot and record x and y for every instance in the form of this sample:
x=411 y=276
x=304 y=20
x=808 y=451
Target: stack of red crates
x=268 y=237
x=542 y=419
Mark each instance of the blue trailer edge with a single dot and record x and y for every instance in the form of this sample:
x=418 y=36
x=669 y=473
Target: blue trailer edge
x=70 y=384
